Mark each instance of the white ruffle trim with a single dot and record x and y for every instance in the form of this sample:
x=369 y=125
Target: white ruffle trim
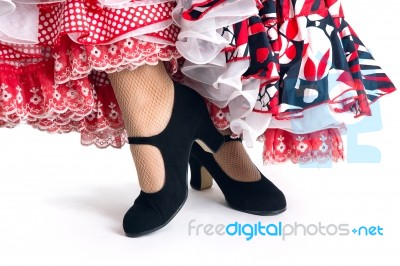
x=200 y=42
x=19 y=22
x=317 y=118
x=6 y=7
x=139 y=34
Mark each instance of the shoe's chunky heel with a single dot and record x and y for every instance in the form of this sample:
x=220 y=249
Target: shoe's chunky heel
x=260 y=197
x=189 y=120
x=200 y=178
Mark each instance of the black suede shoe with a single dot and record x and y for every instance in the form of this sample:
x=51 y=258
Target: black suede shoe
x=261 y=197
x=189 y=121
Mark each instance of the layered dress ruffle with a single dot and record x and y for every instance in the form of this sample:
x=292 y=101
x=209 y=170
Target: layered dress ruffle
x=55 y=56
x=287 y=73
x=291 y=75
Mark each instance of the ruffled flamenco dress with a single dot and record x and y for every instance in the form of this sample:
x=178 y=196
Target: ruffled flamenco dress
x=288 y=73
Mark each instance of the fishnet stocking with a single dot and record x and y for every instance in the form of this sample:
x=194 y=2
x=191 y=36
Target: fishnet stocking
x=146 y=97
x=235 y=162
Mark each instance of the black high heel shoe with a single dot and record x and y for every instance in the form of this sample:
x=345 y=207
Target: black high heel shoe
x=260 y=197
x=189 y=121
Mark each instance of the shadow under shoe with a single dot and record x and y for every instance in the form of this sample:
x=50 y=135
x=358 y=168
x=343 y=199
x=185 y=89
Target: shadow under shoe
x=260 y=197
x=189 y=121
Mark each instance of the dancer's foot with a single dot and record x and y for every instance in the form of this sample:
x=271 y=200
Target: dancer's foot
x=244 y=187
x=164 y=189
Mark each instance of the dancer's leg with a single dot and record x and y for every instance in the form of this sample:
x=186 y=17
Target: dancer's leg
x=146 y=97
x=235 y=161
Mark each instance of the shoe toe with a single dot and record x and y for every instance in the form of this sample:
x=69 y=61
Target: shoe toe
x=277 y=202
x=272 y=201
x=260 y=198
x=141 y=220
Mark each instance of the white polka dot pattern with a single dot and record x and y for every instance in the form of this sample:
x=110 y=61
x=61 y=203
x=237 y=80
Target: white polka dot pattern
x=60 y=85
x=97 y=25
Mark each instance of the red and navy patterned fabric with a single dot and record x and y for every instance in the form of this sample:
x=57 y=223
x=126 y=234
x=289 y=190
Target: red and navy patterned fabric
x=305 y=54
x=279 y=37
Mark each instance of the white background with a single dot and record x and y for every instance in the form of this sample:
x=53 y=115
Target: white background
x=62 y=203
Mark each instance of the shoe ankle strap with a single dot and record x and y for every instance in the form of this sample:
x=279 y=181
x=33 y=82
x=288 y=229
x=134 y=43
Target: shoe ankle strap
x=143 y=140
x=228 y=138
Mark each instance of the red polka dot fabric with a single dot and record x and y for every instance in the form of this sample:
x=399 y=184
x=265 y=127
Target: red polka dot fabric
x=92 y=24
x=61 y=85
